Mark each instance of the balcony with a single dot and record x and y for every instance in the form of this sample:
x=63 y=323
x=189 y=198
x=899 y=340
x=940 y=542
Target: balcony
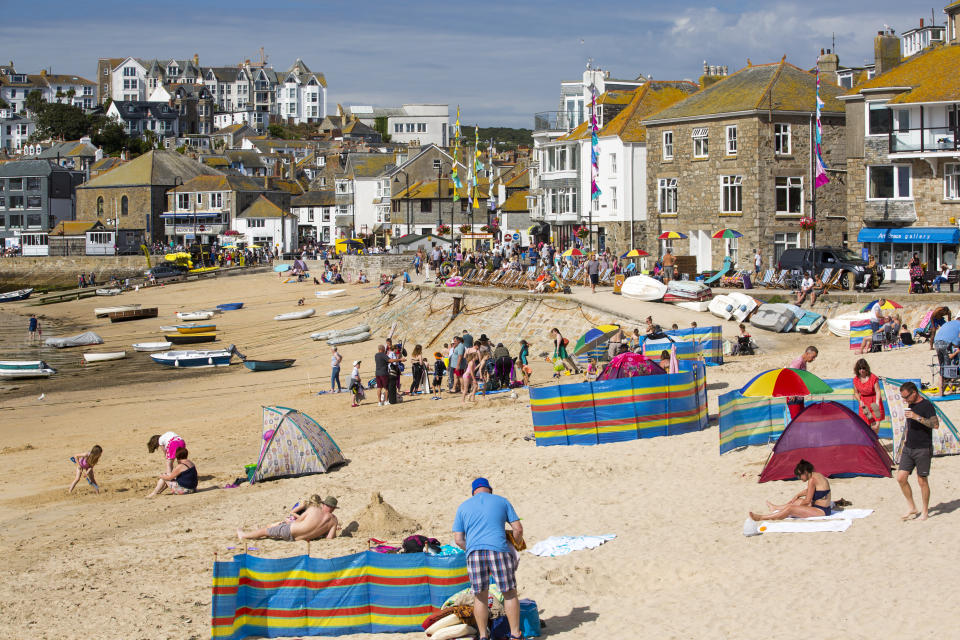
x=553 y=121
x=926 y=140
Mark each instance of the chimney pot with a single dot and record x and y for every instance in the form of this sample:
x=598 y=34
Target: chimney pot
x=821 y=51
x=921 y=23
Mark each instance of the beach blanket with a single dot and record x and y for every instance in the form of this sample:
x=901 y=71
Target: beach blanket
x=838 y=521
x=562 y=545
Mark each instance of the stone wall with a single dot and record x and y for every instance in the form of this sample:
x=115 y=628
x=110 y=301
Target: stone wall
x=61 y=272
x=375 y=265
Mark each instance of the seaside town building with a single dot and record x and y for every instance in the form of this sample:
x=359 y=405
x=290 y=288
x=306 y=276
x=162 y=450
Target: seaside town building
x=35 y=195
x=267 y=224
x=418 y=124
x=15 y=130
x=67 y=89
x=315 y=211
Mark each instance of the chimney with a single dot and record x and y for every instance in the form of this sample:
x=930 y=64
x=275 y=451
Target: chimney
x=886 y=51
x=828 y=62
x=196 y=59
x=266 y=182
x=43 y=73
x=921 y=23
x=953 y=23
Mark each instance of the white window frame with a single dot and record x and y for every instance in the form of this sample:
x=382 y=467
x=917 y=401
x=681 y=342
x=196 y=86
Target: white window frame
x=216 y=200
x=791 y=183
x=785 y=241
x=183 y=202
x=782 y=139
x=951 y=182
x=613 y=163
x=731 y=194
x=731 y=140
x=614 y=205
x=868 y=106
x=667 y=204
x=897 y=169
x=733 y=249
x=701 y=142
x=668 y=145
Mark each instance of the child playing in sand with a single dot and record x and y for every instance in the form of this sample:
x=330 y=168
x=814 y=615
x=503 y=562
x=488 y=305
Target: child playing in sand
x=168 y=443
x=85 y=463
x=439 y=368
x=356 y=386
x=591 y=372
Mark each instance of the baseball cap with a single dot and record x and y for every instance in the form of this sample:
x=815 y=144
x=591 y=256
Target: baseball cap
x=479 y=483
x=330 y=501
x=356 y=362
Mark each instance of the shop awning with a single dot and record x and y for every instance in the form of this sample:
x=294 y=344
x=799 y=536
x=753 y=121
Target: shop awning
x=933 y=235
x=872 y=235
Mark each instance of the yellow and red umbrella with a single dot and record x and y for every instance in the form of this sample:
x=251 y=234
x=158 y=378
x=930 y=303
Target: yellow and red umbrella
x=785 y=383
x=572 y=252
x=672 y=235
x=883 y=303
x=594 y=337
x=727 y=233
x=635 y=253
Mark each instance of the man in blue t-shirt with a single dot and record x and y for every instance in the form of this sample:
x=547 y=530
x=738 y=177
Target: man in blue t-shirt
x=479 y=528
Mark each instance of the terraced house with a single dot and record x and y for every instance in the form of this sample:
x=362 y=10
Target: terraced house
x=903 y=143
x=737 y=155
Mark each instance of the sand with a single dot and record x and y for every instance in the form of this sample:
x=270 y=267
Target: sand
x=117 y=565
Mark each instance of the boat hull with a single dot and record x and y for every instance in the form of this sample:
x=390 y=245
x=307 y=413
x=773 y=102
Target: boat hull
x=359 y=337
x=295 y=315
x=152 y=346
x=333 y=293
x=230 y=306
x=193 y=359
x=195 y=328
x=13 y=296
x=194 y=315
x=20 y=369
x=190 y=338
x=643 y=288
x=723 y=307
x=109 y=292
x=773 y=317
x=133 y=314
x=104 y=357
x=103 y=312
x=268 y=365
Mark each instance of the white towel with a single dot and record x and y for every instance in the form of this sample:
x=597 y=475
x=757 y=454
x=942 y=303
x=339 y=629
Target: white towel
x=836 y=521
x=562 y=545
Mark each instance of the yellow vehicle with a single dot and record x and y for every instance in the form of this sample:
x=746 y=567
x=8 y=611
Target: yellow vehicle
x=349 y=245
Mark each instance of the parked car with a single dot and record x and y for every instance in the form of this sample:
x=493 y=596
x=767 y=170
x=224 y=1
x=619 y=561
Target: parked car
x=820 y=258
x=162 y=271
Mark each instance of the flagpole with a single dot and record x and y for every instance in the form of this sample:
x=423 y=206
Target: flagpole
x=813 y=187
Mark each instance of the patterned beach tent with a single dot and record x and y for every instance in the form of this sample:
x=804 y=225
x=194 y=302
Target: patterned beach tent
x=832 y=437
x=294 y=444
x=628 y=365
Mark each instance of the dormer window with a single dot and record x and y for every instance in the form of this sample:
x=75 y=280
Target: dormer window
x=173 y=70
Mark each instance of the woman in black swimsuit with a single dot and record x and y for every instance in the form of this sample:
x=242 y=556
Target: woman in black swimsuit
x=813 y=500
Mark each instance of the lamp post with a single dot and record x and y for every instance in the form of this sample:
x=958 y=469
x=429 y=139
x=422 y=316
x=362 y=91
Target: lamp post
x=440 y=202
x=396 y=180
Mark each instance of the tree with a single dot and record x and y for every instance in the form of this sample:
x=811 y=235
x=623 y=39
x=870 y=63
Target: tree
x=380 y=124
x=111 y=136
x=35 y=102
x=3 y=103
x=276 y=131
x=63 y=121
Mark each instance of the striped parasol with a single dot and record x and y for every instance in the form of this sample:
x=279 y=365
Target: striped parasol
x=572 y=252
x=785 y=383
x=727 y=233
x=594 y=337
x=672 y=235
x=635 y=253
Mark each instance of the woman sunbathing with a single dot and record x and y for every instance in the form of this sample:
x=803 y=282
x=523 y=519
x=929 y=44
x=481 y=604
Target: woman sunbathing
x=812 y=501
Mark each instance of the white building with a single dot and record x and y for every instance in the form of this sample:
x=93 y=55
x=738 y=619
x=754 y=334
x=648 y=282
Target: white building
x=53 y=88
x=366 y=177
x=267 y=225
x=301 y=95
x=15 y=130
x=315 y=212
x=421 y=123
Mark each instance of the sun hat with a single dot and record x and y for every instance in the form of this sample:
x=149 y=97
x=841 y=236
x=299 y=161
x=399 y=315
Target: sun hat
x=330 y=501
x=356 y=362
x=480 y=483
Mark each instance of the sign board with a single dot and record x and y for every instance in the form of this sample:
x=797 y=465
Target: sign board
x=865 y=253
x=516 y=236
x=201 y=228
x=618 y=283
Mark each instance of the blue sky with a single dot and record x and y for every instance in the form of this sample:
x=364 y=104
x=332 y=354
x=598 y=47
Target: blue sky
x=502 y=61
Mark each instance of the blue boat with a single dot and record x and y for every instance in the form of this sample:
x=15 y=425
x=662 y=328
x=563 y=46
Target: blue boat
x=13 y=296
x=194 y=359
x=268 y=365
x=230 y=306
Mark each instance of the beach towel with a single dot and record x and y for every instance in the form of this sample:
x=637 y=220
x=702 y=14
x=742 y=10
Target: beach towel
x=562 y=545
x=838 y=521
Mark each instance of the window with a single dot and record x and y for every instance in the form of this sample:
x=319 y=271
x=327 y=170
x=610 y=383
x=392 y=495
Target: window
x=326 y=234
x=100 y=237
x=256 y=223
x=410 y=127
x=199 y=198
x=951 y=182
x=216 y=200
x=421 y=127
x=326 y=214
x=34 y=202
x=100 y=206
x=891 y=181
x=789 y=195
x=781 y=139
x=15 y=184
x=183 y=201
x=880 y=120
x=436 y=164
x=784 y=241
x=16 y=221
x=731 y=187
x=33 y=184
x=16 y=202
x=292 y=94
x=613 y=199
x=701 y=147
x=397 y=127
x=3 y=202
x=613 y=163
x=33 y=220
x=426 y=205
x=124 y=206
x=129 y=72
x=309 y=215
x=901 y=120
x=732 y=140
x=130 y=84
x=668 y=145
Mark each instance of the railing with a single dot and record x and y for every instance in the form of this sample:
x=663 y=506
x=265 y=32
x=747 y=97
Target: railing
x=925 y=139
x=553 y=121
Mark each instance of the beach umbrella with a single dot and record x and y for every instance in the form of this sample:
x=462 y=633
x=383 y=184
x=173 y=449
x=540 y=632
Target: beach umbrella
x=884 y=304
x=595 y=337
x=785 y=383
x=672 y=235
x=727 y=233
x=635 y=253
x=572 y=252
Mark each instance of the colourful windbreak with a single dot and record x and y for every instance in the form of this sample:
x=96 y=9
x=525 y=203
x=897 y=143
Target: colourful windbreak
x=860 y=330
x=366 y=592
x=786 y=382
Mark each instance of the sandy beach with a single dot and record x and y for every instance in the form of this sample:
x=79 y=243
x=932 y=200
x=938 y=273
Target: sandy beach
x=118 y=565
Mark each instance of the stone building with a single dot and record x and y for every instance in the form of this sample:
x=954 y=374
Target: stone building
x=206 y=206
x=737 y=155
x=903 y=145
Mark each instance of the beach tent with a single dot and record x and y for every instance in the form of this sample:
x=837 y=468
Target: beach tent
x=628 y=365
x=832 y=437
x=294 y=444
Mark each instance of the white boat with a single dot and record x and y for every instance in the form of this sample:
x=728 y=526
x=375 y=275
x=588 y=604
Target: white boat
x=723 y=306
x=679 y=290
x=323 y=335
x=151 y=346
x=701 y=306
x=103 y=356
x=643 y=287
x=745 y=305
x=194 y=315
x=194 y=358
x=342 y=312
x=333 y=293
x=773 y=317
x=109 y=292
x=103 y=312
x=295 y=315
x=358 y=337
x=342 y=333
x=810 y=322
x=18 y=369
x=79 y=340
x=840 y=326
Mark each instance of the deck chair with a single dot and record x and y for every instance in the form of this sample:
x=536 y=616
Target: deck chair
x=727 y=265
x=605 y=277
x=834 y=282
x=777 y=281
x=765 y=280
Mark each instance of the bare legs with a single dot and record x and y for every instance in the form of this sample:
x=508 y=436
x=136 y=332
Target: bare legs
x=903 y=478
x=789 y=511
x=259 y=534
x=161 y=485
x=511 y=605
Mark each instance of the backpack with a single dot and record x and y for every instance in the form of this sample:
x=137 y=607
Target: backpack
x=418 y=543
x=566 y=341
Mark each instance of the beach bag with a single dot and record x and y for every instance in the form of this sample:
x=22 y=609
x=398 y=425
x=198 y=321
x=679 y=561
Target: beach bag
x=418 y=543
x=521 y=546
x=566 y=341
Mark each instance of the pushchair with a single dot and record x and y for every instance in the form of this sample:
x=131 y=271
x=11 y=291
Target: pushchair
x=949 y=374
x=918 y=283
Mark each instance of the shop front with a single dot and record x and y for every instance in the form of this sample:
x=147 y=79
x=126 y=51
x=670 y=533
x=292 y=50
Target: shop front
x=894 y=248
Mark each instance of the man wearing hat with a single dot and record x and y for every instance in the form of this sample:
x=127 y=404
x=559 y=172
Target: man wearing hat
x=317 y=521
x=479 y=528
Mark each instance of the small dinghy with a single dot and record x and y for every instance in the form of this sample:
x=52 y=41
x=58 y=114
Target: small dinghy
x=357 y=337
x=79 y=340
x=268 y=365
x=745 y=305
x=103 y=312
x=194 y=359
x=194 y=315
x=810 y=322
x=343 y=312
x=230 y=306
x=342 y=333
x=103 y=356
x=190 y=338
x=702 y=305
x=152 y=346
x=685 y=290
x=193 y=328
x=723 y=307
x=643 y=288
x=797 y=315
x=323 y=335
x=333 y=293
x=133 y=314
x=840 y=326
x=295 y=315
x=109 y=292
x=13 y=296
x=17 y=369
x=773 y=317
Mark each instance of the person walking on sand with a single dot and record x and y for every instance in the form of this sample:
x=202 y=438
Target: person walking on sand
x=917 y=449
x=866 y=390
x=182 y=480
x=479 y=529
x=560 y=351
x=85 y=463
x=356 y=386
x=316 y=521
x=593 y=270
x=795 y=404
x=469 y=380
x=33 y=328
x=335 y=360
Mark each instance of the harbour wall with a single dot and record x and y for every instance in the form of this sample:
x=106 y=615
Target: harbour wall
x=58 y=272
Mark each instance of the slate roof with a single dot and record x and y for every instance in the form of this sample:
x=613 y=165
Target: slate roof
x=26 y=168
x=157 y=167
x=262 y=208
x=221 y=183
x=425 y=190
x=779 y=86
x=248 y=157
x=142 y=109
x=932 y=77
x=325 y=198
x=69 y=149
x=369 y=165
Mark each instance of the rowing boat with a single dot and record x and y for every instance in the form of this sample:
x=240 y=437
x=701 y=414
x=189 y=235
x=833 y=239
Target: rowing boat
x=152 y=346
x=133 y=314
x=296 y=315
x=103 y=312
x=190 y=338
x=12 y=369
x=342 y=312
x=194 y=328
x=268 y=365
x=13 y=296
x=194 y=315
x=103 y=356
x=194 y=358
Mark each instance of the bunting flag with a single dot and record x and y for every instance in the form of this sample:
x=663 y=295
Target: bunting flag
x=454 y=177
x=594 y=142
x=477 y=166
x=820 y=176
